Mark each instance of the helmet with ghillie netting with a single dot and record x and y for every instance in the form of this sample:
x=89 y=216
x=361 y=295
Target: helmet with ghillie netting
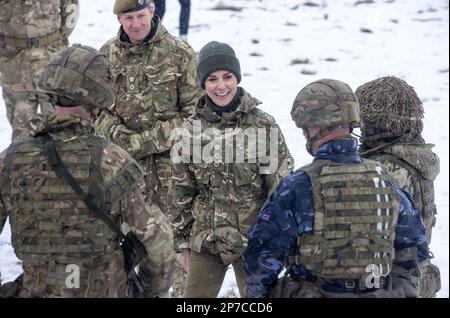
x=390 y=108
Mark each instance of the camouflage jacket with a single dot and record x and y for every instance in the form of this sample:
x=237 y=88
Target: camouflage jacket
x=52 y=228
x=34 y=18
x=155 y=89
x=414 y=166
x=217 y=195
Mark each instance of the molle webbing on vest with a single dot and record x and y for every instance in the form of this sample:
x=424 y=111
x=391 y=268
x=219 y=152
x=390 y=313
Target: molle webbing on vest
x=356 y=209
x=423 y=195
x=54 y=220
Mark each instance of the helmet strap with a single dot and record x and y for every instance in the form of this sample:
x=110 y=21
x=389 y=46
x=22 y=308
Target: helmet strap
x=324 y=131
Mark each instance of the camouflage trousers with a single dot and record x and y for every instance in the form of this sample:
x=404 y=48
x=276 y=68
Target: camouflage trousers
x=18 y=69
x=180 y=278
x=206 y=274
x=430 y=281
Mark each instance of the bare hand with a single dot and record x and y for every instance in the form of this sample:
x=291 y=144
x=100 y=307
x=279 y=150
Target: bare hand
x=185 y=256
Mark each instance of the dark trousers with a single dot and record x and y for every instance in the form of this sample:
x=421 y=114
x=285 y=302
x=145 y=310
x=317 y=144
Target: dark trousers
x=185 y=12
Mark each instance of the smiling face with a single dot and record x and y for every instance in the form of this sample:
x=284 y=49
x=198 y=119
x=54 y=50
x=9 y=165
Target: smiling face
x=137 y=25
x=221 y=87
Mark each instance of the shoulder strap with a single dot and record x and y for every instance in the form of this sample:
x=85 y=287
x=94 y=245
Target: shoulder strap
x=62 y=172
x=133 y=249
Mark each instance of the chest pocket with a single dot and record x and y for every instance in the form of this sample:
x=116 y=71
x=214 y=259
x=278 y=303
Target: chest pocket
x=202 y=176
x=133 y=77
x=248 y=184
x=162 y=87
x=243 y=174
x=201 y=173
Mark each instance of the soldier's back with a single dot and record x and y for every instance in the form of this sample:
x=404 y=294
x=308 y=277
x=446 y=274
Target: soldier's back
x=66 y=250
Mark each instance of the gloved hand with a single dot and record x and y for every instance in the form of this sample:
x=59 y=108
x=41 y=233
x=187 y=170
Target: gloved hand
x=121 y=136
x=136 y=146
x=120 y=131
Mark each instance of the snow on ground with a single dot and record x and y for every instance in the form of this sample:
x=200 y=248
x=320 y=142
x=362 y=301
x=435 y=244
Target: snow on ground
x=353 y=41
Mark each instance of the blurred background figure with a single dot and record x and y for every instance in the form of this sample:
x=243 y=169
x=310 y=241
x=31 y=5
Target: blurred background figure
x=185 y=12
x=30 y=33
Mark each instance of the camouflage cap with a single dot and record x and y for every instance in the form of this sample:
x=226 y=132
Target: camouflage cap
x=390 y=107
x=80 y=74
x=123 y=6
x=326 y=103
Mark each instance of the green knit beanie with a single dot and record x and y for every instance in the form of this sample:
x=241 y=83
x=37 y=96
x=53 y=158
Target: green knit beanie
x=216 y=56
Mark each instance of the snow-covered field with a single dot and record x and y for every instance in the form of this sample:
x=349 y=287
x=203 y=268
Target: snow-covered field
x=285 y=44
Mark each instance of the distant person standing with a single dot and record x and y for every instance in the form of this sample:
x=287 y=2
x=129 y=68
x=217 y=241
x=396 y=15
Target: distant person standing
x=185 y=12
x=31 y=32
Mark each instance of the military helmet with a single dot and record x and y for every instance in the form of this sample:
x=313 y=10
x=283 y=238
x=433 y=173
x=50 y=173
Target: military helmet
x=326 y=103
x=79 y=74
x=390 y=108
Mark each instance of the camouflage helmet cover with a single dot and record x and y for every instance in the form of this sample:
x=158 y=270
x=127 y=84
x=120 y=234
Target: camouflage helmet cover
x=390 y=107
x=81 y=74
x=326 y=103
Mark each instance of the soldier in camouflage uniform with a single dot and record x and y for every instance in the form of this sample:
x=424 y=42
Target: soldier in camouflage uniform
x=215 y=195
x=336 y=223
x=391 y=120
x=31 y=32
x=51 y=226
x=154 y=74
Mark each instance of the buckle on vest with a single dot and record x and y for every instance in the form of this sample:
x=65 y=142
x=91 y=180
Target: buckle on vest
x=350 y=284
x=32 y=43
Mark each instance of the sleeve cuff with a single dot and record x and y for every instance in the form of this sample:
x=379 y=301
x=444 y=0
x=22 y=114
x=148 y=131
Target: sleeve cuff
x=181 y=244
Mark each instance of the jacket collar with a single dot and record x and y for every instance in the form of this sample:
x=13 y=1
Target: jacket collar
x=339 y=150
x=157 y=33
x=246 y=104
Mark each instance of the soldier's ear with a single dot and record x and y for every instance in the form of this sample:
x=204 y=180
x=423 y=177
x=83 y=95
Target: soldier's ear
x=152 y=9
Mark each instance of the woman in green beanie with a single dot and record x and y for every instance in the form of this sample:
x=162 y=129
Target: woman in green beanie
x=239 y=156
